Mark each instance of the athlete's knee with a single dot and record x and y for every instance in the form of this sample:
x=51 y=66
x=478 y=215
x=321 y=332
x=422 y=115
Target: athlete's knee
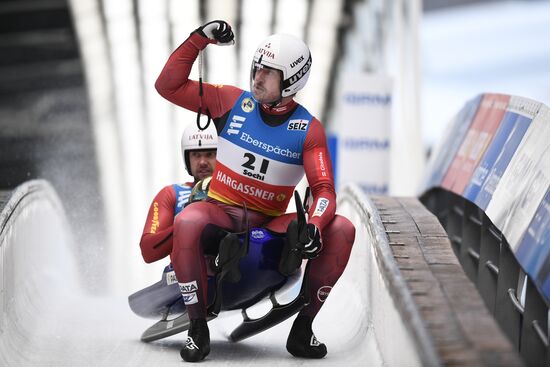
x=191 y=217
x=191 y=214
x=348 y=229
x=341 y=229
x=188 y=226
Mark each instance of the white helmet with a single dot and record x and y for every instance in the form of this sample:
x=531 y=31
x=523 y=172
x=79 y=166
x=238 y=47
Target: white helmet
x=195 y=139
x=288 y=54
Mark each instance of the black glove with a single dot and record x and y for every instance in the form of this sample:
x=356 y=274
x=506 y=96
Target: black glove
x=218 y=31
x=311 y=240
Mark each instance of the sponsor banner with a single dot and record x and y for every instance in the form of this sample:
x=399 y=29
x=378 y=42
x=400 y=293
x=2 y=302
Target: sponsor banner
x=503 y=147
x=234 y=189
x=445 y=152
x=258 y=167
x=488 y=160
x=524 y=183
x=362 y=121
x=273 y=151
x=484 y=125
x=511 y=177
x=533 y=251
x=283 y=143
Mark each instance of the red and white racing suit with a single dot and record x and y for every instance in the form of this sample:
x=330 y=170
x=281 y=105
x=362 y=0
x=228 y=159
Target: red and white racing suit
x=263 y=152
x=157 y=237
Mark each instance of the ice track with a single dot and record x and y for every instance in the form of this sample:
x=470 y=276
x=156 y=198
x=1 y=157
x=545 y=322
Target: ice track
x=48 y=320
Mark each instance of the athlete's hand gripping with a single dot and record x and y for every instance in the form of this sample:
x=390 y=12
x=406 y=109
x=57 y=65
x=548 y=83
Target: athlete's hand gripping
x=311 y=240
x=218 y=32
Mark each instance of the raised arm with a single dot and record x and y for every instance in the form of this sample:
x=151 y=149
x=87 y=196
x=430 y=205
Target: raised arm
x=174 y=84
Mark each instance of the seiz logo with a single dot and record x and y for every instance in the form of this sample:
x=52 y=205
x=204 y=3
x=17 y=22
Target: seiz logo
x=189 y=287
x=297 y=125
x=235 y=124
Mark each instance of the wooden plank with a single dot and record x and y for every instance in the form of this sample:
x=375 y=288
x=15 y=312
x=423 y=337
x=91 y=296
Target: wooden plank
x=463 y=331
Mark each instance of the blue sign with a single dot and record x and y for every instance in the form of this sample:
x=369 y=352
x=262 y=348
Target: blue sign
x=502 y=147
x=498 y=156
x=452 y=143
x=332 y=142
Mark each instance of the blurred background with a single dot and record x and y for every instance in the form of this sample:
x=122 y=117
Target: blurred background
x=78 y=105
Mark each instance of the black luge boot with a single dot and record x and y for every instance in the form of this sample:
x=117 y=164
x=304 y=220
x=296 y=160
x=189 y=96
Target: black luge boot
x=302 y=342
x=197 y=345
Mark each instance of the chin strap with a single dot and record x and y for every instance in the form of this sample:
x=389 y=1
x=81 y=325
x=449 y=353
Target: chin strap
x=274 y=104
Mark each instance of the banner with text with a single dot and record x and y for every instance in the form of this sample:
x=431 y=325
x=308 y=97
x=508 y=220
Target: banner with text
x=361 y=131
x=496 y=154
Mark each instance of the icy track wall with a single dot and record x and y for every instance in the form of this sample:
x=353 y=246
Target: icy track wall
x=489 y=184
x=400 y=335
x=420 y=306
x=34 y=239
